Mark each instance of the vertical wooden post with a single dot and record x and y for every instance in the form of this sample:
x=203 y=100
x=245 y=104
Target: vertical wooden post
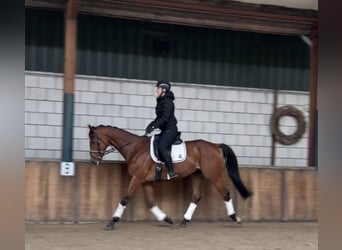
x=273 y=148
x=312 y=152
x=70 y=46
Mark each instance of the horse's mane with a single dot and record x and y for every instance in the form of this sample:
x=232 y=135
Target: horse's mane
x=113 y=127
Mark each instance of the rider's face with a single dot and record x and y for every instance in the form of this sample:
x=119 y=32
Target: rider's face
x=159 y=91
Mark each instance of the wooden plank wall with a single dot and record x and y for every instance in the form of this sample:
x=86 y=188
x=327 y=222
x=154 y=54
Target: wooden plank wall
x=280 y=194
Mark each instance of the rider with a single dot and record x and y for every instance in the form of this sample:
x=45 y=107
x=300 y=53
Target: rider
x=166 y=122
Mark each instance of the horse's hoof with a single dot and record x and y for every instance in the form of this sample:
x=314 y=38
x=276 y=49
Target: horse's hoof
x=235 y=218
x=238 y=220
x=109 y=226
x=168 y=220
x=183 y=223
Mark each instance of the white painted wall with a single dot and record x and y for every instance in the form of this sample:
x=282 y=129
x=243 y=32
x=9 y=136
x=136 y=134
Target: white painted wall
x=239 y=117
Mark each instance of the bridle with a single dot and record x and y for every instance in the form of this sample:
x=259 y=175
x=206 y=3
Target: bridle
x=99 y=153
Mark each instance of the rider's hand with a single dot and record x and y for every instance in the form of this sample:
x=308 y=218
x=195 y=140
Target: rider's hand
x=149 y=129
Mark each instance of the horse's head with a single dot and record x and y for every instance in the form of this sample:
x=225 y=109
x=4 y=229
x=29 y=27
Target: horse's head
x=98 y=144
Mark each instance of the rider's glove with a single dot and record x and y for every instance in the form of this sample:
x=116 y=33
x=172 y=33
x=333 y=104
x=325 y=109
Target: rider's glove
x=149 y=129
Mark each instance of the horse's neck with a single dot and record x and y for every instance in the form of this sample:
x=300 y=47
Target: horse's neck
x=121 y=140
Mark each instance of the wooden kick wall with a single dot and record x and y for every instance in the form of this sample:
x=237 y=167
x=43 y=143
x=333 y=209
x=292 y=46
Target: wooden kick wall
x=280 y=194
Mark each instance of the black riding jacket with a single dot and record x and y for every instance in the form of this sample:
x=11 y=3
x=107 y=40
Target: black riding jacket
x=165 y=110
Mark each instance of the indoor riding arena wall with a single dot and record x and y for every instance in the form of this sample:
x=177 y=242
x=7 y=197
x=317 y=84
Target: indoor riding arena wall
x=280 y=194
x=240 y=117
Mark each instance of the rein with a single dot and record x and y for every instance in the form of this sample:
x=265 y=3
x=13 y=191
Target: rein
x=103 y=153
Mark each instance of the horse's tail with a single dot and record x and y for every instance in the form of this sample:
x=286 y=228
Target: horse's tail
x=231 y=164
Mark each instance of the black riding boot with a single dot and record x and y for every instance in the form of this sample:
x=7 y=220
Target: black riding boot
x=169 y=165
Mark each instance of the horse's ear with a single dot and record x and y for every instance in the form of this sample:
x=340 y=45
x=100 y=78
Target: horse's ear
x=90 y=127
x=91 y=130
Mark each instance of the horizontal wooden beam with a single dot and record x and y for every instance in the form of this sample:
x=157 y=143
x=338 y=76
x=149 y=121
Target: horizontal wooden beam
x=216 y=9
x=245 y=17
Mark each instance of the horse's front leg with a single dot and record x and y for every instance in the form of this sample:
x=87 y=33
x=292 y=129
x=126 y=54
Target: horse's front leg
x=152 y=205
x=132 y=187
x=196 y=179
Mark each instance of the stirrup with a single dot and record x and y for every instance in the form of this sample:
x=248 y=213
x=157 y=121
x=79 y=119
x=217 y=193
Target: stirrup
x=171 y=177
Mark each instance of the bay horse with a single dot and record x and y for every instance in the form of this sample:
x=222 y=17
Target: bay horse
x=204 y=159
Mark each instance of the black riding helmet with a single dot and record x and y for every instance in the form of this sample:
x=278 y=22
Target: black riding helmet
x=164 y=85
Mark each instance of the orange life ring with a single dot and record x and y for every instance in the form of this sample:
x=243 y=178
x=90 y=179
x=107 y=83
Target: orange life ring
x=279 y=136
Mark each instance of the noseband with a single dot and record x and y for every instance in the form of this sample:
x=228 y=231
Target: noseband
x=99 y=153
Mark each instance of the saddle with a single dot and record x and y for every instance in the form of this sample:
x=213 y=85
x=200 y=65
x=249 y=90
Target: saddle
x=178 y=149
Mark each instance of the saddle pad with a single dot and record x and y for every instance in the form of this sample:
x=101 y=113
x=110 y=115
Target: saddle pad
x=178 y=152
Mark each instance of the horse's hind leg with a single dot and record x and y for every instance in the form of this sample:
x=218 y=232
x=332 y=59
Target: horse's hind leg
x=151 y=203
x=196 y=196
x=230 y=208
x=228 y=202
